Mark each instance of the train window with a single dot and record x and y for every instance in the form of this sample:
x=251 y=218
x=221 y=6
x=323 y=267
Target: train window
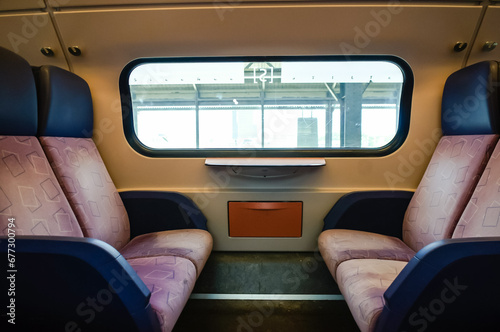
x=266 y=106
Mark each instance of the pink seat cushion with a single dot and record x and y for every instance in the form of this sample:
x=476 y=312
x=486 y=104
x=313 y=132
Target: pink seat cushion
x=192 y=244
x=30 y=193
x=363 y=283
x=445 y=189
x=339 y=245
x=482 y=215
x=171 y=280
x=89 y=188
x=100 y=210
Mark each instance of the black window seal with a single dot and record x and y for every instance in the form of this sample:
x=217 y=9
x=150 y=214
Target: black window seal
x=392 y=146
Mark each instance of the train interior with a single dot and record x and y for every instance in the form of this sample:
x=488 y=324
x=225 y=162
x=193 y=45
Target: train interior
x=250 y=165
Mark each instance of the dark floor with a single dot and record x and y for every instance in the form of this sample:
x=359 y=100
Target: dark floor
x=265 y=273
x=248 y=316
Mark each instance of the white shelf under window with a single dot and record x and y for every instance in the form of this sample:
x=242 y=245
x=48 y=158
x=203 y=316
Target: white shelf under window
x=265 y=167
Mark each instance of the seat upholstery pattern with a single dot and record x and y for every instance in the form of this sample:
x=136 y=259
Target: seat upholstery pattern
x=171 y=280
x=363 y=283
x=30 y=193
x=481 y=217
x=89 y=188
x=192 y=244
x=339 y=245
x=100 y=211
x=445 y=189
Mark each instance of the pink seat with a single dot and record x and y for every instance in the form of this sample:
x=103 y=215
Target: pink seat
x=192 y=244
x=55 y=267
x=481 y=217
x=458 y=197
x=169 y=261
x=433 y=212
x=100 y=210
x=85 y=180
x=52 y=206
x=340 y=245
x=29 y=191
x=171 y=280
x=363 y=283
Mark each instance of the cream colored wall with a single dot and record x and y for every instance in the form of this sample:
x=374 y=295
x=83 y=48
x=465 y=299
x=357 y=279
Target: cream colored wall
x=27 y=32
x=489 y=31
x=110 y=37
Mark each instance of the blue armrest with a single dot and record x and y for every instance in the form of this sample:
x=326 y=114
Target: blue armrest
x=450 y=285
x=154 y=211
x=379 y=212
x=71 y=284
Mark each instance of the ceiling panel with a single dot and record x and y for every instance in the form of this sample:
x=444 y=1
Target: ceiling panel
x=26 y=34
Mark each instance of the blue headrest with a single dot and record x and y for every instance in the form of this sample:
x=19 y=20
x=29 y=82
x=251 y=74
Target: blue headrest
x=64 y=103
x=18 y=112
x=471 y=101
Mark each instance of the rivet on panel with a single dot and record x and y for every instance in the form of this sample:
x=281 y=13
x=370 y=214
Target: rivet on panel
x=47 y=51
x=460 y=46
x=75 y=50
x=489 y=46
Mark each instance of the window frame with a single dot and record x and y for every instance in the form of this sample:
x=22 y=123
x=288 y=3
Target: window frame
x=392 y=146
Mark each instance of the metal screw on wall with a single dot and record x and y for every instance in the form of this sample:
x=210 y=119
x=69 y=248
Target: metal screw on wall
x=460 y=46
x=75 y=50
x=47 y=51
x=489 y=46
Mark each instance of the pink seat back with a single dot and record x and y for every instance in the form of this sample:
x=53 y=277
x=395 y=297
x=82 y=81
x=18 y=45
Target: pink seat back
x=445 y=189
x=89 y=188
x=481 y=217
x=470 y=123
x=31 y=200
x=65 y=133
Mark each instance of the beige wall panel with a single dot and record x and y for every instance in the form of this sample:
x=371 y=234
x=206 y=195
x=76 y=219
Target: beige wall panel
x=109 y=39
x=489 y=31
x=26 y=34
x=21 y=4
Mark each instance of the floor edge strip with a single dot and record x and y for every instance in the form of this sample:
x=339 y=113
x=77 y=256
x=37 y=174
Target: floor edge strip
x=271 y=297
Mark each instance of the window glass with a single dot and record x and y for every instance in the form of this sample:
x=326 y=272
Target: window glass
x=308 y=105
